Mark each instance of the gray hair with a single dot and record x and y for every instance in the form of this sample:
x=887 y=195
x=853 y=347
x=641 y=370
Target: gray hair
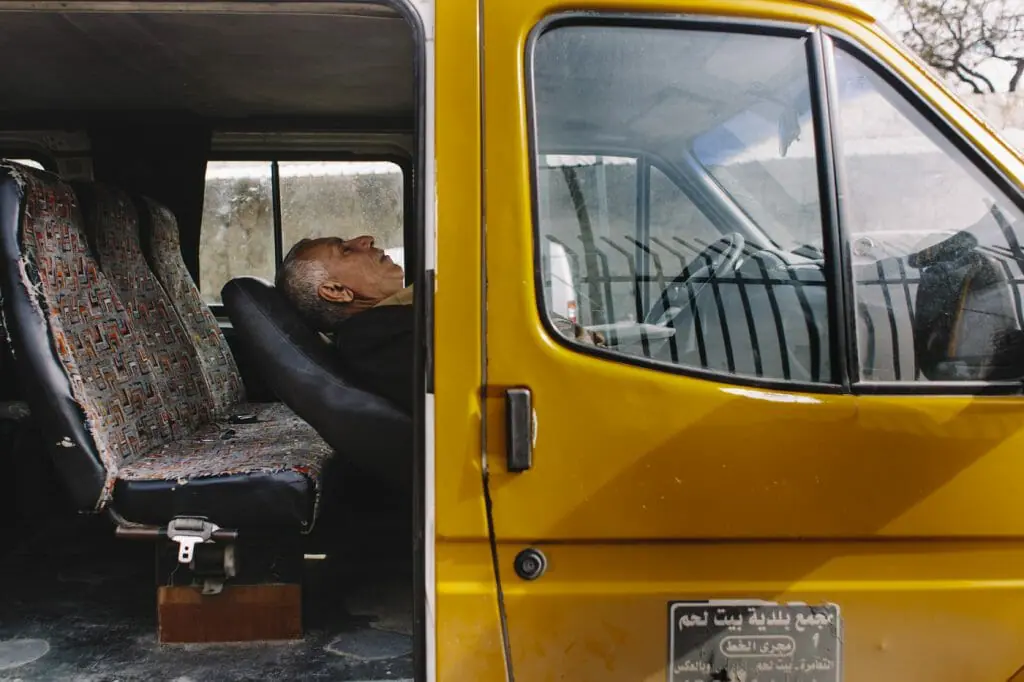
x=299 y=279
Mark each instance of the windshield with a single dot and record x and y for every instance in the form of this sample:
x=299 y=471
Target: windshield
x=764 y=158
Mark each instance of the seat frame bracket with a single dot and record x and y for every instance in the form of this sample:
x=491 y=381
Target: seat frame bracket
x=189 y=531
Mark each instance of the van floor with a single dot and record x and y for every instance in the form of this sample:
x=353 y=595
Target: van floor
x=77 y=604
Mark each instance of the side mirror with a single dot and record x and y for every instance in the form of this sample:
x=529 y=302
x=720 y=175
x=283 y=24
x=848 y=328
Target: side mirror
x=563 y=286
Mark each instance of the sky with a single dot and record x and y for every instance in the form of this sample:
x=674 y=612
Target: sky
x=878 y=8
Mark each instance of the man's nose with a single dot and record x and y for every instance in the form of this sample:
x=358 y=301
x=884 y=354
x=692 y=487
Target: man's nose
x=363 y=243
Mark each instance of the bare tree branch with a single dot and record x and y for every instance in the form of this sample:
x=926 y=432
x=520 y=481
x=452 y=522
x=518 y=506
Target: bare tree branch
x=965 y=78
x=1018 y=71
x=964 y=39
x=978 y=76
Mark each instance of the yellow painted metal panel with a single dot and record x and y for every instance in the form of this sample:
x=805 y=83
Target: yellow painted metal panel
x=469 y=645
x=649 y=487
x=935 y=612
x=468 y=630
x=628 y=452
x=457 y=304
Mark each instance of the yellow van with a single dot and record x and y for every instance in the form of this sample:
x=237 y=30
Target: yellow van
x=781 y=443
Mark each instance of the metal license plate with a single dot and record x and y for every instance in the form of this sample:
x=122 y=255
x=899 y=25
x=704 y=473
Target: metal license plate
x=754 y=641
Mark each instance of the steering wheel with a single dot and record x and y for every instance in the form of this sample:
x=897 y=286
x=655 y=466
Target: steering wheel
x=722 y=255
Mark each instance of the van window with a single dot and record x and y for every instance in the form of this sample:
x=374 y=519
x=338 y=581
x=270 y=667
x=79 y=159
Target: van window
x=654 y=272
x=343 y=199
x=772 y=178
x=316 y=199
x=237 y=233
x=934 y=244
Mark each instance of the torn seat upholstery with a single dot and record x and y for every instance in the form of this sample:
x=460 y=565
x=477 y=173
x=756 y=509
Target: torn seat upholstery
x=130 y=432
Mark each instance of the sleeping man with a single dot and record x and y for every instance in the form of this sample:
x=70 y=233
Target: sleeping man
x=352 y=290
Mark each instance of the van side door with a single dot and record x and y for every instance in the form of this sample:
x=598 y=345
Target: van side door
x=781 y=439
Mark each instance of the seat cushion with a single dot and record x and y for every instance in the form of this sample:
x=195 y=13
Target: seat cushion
x=261 y=412
x=265 y=475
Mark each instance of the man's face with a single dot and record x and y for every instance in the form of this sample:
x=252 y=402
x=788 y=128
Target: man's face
x=358 y=273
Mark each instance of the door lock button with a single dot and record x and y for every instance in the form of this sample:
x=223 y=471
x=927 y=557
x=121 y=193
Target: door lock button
x=530 y=564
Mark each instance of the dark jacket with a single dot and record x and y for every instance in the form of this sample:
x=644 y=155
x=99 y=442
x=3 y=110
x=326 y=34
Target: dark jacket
x=375 y=349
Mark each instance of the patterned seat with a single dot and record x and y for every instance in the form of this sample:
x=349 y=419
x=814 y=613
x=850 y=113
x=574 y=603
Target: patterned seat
x=161 y=246
x=239 y=477
x=110 y=224
x=104 y=374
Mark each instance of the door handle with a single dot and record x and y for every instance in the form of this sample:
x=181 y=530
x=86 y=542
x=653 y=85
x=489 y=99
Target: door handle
x=519 y=429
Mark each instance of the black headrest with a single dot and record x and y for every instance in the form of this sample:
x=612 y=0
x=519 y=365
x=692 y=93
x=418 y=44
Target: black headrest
x=300 y=367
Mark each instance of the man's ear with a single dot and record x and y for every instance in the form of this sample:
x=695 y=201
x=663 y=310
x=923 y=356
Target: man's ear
x=335 y=292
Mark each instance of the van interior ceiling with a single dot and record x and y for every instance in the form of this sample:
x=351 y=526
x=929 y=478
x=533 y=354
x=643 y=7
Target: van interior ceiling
x=144 y=105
